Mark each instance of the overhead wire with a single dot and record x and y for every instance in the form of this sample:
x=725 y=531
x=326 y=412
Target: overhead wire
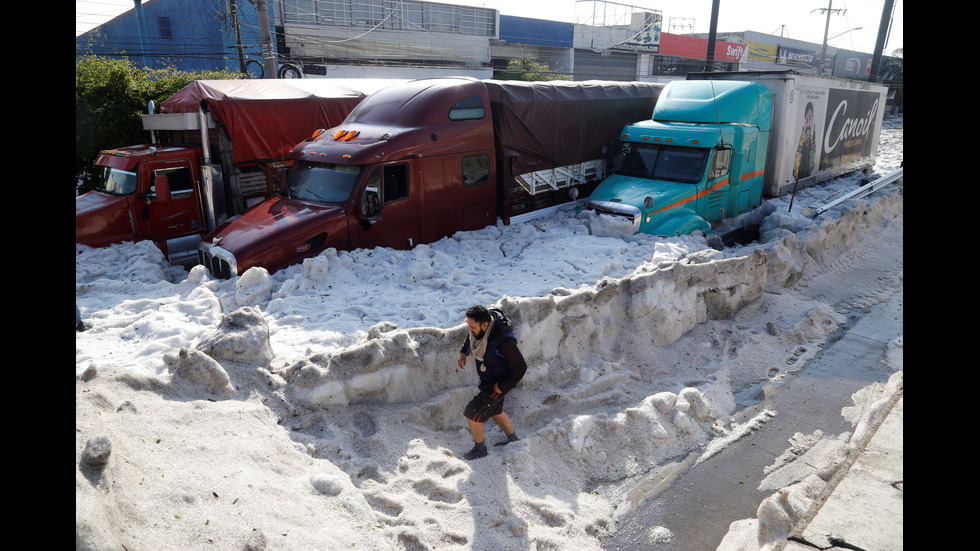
x=128 y=42
x=126 y=39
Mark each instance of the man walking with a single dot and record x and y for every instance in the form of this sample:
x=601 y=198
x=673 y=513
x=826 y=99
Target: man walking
x=499 y=364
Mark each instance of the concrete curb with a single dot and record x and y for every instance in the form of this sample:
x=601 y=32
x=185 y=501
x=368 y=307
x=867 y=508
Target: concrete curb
x=861 y=506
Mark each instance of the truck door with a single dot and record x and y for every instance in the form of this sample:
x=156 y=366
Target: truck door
x=478 y=184
x=718 y=186
x=739 y=201
x=181 y=214
x=388 y=208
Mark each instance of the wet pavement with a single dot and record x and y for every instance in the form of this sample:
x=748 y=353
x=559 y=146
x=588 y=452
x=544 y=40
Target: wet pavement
x=861 y=507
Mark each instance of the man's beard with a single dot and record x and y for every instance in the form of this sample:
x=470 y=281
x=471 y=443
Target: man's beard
x=479 y=335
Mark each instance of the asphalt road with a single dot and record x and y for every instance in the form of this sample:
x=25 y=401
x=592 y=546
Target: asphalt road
x=701 y=501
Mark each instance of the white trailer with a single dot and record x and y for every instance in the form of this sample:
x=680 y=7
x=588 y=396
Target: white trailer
x=822 y=127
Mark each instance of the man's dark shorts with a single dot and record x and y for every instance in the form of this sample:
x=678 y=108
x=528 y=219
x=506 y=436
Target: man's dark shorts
x=484 y=406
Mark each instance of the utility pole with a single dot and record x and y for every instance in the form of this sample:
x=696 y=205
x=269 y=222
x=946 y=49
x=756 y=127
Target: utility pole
x=886 y=14
x=268 y=54
x=829 y=9
x=238 y=36
x=141 y=25
x=712 y=36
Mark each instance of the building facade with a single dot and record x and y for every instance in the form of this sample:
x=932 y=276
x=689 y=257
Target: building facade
x=189 y=35
x=375 y=38
x=415 y=38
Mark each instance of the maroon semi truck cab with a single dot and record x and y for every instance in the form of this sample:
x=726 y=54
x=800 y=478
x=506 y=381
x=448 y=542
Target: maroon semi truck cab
x=145 y=192
x=421 y=160
x=226 y=143
x=411 y=164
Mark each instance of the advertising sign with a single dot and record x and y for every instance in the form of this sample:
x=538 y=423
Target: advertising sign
x=810 y=105
x=796 y=58
x=697 y=48
x=645 y=34
x=849 y=126
x=835 y=127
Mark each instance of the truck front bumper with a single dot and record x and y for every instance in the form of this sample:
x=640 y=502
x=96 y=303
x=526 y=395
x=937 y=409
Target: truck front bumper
x=629 y=212
x=220 y=262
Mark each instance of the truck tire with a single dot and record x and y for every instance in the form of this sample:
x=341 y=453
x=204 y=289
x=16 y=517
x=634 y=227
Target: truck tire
x=693 y=225
x=681 y=223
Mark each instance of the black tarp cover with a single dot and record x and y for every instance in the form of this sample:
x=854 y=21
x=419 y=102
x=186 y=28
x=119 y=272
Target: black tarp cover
x=544 y=125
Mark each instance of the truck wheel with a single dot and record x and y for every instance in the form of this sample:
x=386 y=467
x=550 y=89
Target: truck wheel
x=692 y=226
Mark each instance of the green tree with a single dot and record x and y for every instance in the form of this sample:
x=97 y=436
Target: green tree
x=529 y=68
x=110 y=95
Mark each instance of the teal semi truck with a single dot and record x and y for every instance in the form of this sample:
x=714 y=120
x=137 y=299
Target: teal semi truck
x=719 y=142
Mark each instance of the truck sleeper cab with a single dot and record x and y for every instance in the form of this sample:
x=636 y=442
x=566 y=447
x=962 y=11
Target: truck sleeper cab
x=684 y=169
x=411 y=164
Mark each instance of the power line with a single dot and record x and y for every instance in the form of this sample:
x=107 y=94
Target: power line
x=126 y=41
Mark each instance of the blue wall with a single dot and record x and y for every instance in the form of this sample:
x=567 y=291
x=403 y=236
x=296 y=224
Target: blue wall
x=191 y=35
x=195 y=35
x=524 y=30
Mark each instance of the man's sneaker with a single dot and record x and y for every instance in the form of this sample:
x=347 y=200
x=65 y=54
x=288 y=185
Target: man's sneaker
x=478 y=451
x=512 y=437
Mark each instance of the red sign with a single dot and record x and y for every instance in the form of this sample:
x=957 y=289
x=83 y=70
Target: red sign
x=697 y=48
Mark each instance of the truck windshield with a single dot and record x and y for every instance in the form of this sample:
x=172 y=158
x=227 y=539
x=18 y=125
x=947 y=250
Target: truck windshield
x=323 y=183
x=662 y=162
x=116 y=181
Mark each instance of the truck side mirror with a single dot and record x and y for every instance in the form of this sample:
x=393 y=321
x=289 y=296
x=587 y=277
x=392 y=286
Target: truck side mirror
x=162 y=187
x=370 y=207
x=616 y=154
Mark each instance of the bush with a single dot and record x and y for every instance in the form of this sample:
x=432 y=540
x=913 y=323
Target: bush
x=529 y=69
x=110 y=95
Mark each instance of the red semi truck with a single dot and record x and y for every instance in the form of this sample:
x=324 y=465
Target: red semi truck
x=421 y=160
x=223 y=145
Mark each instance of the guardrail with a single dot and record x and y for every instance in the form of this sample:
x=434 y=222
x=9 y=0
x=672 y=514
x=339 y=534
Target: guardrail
x=858 y=193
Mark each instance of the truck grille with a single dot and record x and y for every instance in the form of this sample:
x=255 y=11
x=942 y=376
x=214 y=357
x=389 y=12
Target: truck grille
x=218 y=267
